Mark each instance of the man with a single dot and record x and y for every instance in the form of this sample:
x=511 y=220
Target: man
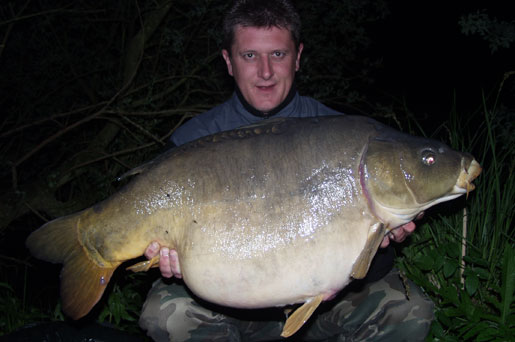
x=262 y=51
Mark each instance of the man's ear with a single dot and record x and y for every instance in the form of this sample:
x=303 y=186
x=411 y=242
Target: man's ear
x=227 y=59
x=299 y=53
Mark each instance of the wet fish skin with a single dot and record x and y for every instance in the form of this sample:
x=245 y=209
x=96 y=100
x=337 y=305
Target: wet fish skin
x=276 y=213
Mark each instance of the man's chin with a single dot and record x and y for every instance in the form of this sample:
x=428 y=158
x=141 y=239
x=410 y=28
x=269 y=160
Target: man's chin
x=266 y=102
x=265 y=108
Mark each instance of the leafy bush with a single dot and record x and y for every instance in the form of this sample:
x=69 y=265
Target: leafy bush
x=498 y=33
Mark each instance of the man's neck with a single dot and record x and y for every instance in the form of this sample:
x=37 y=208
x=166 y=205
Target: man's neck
x=252 y=110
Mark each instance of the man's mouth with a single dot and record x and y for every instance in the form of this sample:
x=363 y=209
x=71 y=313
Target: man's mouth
x=265 y=87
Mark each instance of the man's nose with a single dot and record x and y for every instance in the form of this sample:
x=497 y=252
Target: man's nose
x=265 y=68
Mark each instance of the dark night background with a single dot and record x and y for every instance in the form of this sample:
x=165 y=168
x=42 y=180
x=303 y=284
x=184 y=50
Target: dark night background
x=79 y=107
x=427 y=58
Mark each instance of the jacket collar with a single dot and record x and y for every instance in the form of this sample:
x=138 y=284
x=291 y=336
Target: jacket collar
x=252 y=110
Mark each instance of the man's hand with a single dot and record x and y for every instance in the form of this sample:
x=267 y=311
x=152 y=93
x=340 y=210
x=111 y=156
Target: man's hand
x=168 y=260
x=400 y=233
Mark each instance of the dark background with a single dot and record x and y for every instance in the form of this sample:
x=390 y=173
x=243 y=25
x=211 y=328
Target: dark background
x=427 y=58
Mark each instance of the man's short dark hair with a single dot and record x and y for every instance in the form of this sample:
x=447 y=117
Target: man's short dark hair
x=261 y=13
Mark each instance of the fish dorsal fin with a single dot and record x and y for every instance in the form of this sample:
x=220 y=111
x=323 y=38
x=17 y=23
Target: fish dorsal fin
x=135 y=171
x=376 y=234
x=301 y=315
x=147 y=165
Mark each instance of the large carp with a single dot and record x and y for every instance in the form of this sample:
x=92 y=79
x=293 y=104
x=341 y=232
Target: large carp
x=285 y=211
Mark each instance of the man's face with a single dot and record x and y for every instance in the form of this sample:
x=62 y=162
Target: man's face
x=263 y=63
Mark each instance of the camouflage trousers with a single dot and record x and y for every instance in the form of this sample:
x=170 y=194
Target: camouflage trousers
x=377 y=311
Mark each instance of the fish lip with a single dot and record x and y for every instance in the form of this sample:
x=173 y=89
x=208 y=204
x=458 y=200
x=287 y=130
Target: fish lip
x=467 y=175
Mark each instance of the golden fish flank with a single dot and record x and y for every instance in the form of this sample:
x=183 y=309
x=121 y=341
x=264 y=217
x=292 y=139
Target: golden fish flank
x=253 y=215
x=168 y=197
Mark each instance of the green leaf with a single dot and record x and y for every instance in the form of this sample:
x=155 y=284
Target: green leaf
x=488 y=335
x=474 y=329
x=511 y=321
x=453 y=250
x=482 y=273
x=508 y=282
x=437 y=329
x=476 y=261
x=424 y=262
x=452 y=312
x=438 y=260
x=6 y=286
x=443 y=318
x=472 y=313
x=103 y=315
x=58 y=312
x=449 y=267
x=471 y=283
x=450 y=294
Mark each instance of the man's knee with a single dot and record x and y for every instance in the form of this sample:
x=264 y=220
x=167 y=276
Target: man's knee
x=164 y=313
x=397 y=309
x=170 y=314
x=418 y=310
x=411 y=316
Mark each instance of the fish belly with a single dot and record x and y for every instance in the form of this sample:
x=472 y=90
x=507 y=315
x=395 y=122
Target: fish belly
x=282 y=270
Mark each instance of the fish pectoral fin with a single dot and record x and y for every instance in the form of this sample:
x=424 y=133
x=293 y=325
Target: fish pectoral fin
x=376 y=234
x=301 y=315
x=144 y=266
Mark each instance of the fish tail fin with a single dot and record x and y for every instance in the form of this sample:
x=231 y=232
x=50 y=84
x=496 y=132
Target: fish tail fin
x=83 y=280
x=82 y=283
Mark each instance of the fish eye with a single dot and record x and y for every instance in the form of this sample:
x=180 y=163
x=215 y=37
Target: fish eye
x=428 y=158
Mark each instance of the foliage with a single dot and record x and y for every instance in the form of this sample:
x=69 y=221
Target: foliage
x=124 y=303
x=332 y=72
x=465 y=261
x=17 y=312
x=498 y=33
x=14 y=314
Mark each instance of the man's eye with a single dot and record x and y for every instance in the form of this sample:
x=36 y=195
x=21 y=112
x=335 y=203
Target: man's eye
x=278 y=54
x=248 y=55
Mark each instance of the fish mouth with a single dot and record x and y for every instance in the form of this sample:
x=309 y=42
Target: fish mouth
x=467 y=175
